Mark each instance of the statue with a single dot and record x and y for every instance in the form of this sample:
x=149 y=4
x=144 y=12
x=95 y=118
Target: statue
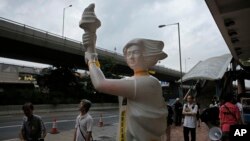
x=146 y=110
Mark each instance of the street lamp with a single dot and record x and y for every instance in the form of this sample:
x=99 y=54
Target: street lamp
x=178 y=25
x=63 y=18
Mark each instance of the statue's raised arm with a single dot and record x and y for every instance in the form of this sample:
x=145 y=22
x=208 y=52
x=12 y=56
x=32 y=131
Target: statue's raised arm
x=90 y=23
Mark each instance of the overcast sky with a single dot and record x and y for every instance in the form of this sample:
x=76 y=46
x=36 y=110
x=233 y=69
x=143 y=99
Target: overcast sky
x=123 y=20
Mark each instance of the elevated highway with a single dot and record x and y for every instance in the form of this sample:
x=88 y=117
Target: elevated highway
x=232 y=19
x=22 y=42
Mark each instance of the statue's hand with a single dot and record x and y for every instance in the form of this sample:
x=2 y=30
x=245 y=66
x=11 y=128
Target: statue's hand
x=89 y=40
x=90 y=57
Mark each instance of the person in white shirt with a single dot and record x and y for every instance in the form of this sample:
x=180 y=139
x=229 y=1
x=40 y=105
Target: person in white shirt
x=214 y=102
x=189 y=111
x=84 y=122
x=240 y=107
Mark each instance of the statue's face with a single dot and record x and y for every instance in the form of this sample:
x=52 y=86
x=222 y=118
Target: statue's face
x=134 y=57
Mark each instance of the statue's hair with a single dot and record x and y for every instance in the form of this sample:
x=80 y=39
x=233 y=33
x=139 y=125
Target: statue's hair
x=151 y=49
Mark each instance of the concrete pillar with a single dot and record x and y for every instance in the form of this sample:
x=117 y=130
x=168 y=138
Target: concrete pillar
x=241 y=86
x=218 y=88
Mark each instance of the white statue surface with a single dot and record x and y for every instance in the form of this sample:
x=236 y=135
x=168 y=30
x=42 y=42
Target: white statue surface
x=146 y=110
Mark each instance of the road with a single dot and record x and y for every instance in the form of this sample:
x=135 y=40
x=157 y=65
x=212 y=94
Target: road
x=10 y=125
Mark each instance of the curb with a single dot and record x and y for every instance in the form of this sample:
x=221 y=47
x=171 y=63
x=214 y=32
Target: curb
x=16 y=109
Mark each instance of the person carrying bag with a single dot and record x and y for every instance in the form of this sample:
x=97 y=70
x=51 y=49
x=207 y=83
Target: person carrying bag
x=84 y=122
x=229 y=115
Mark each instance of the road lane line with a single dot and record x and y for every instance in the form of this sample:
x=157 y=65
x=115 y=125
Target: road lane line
x=59 y=121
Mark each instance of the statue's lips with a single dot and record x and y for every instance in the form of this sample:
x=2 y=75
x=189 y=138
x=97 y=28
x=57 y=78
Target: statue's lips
x=131 y=63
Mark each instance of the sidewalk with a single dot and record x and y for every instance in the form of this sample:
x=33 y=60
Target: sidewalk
x=105 y=133
x=108 y=133
x=201 y=133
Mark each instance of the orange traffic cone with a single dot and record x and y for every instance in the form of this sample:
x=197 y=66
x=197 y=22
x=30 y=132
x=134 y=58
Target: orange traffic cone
x=54 y=128
x=100 y=121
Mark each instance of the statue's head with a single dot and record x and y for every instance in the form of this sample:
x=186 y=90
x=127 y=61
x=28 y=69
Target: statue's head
x=143 y=53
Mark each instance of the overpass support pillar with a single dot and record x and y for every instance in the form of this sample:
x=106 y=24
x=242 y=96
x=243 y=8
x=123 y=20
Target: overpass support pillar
x=218 y=88
x=241 y=86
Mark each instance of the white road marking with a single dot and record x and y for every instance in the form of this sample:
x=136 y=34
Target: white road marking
x=58 y=121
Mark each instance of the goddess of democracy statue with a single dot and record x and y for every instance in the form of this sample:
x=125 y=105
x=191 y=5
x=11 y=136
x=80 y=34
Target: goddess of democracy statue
x=146 y=110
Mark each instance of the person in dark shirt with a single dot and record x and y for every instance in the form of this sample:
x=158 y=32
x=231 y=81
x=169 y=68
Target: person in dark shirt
x=178 y=112
x=198 y=112
x=169 y=121
x=33 y=128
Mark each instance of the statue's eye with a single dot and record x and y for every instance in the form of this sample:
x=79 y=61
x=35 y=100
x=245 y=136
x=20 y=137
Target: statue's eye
x=136 y=52
x=133 y=52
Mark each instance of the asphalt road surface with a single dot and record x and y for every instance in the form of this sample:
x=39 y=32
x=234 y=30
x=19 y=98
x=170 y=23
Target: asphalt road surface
x=10 y=125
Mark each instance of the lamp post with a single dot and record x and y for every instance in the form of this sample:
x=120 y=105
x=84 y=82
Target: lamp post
x=64 y=18
x=178 y=25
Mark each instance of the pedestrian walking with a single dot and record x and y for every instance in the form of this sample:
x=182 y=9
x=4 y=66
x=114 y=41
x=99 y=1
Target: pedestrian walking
x=229 y=115
x=240 y=107
x=189 y=112
x=214 y=102
x=198 y=112
x=84 y=122
x=169 y=122
x=177 y=112
x=33 y=128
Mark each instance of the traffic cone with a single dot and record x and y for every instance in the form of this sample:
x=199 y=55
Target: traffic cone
x=100 y=121
x=54 y=128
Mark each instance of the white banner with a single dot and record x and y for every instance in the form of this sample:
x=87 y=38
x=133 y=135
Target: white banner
x=210 y=69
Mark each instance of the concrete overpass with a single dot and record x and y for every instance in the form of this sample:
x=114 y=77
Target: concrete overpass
x=27 y=43
x=232 y=19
